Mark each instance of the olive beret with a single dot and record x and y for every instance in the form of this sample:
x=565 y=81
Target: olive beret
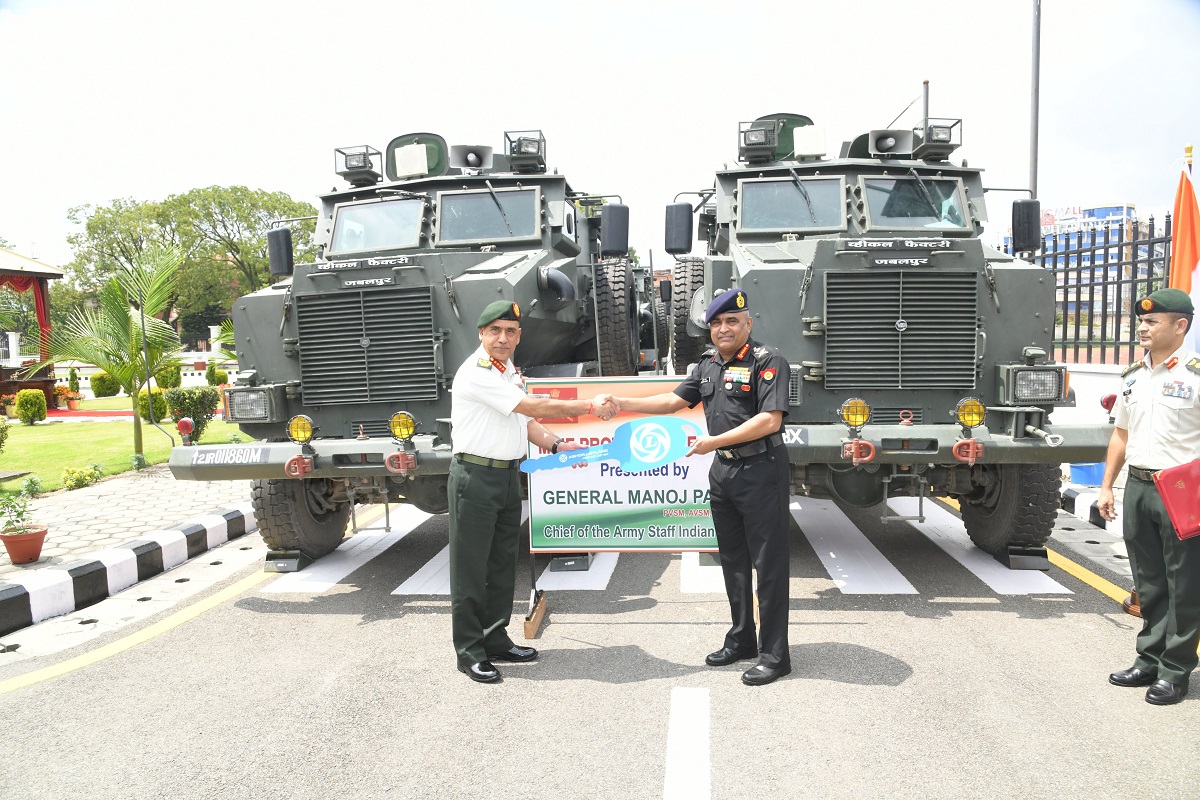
x=1175 y=300
x=729 y=300
x=501 y=309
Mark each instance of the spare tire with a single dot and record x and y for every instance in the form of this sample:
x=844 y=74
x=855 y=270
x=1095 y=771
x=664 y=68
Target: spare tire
x=618 y=320
x=687 y=279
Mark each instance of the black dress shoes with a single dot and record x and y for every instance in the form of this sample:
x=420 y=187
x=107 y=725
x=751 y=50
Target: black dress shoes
x=760 y=675
x=1165 y=693
x=483 y=672
x=515 y=653
x=1132 y=677
x=727 y=655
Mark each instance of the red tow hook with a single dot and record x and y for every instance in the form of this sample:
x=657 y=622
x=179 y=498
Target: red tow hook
x=968 y=450
x=298 y=466
x=859 y=451
x=400 y=463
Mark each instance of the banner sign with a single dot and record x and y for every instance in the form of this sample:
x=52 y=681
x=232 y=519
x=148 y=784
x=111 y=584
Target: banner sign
x=632 y=489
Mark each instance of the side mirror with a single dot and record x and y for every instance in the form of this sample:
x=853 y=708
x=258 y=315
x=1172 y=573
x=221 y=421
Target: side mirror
x=664 y=291
x=1027 y=226
x=614 y=230
x=679 y=229
x=279 y=251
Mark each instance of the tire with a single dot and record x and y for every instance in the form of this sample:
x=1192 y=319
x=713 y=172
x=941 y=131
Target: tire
x=688 y=278
x=1015 y=505
x=662 y=329
x=297 y=515
x=617 y=314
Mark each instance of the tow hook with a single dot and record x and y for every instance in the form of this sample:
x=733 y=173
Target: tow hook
x=400 y=463
x=298 y=466
x=968 y=450
x=859 y=451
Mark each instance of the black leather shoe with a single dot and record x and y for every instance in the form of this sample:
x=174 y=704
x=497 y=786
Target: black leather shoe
x=483 y=672
x=727 y=655
x=1132 y=677
x=759 y=675
x=515 y=653
x=1165 y=693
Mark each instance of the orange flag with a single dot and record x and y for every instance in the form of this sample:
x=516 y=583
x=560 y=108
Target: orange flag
x=1185 y=246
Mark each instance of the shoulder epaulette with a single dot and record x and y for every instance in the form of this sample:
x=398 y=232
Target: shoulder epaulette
x=486 y=363
x=1194 y=365
x=1131 y=368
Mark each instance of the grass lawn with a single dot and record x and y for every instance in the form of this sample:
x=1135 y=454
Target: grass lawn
x=46 y=449
x=120 y=402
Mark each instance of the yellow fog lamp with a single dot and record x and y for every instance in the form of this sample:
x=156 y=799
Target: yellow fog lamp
x=402 y=425
x=855 y=412
x=970 y=412
x=300 y=429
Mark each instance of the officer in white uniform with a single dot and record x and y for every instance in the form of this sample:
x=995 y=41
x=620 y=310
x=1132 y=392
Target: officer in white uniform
x=1158 y=426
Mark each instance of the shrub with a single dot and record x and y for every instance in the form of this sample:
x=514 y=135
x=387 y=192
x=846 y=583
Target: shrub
x=73 y=381
x=105 y=385
x=169 y=378
x=210 y=373
x=61 y=391
x=3 y=433
x=138 y=460
x=31 y=406
x=221 y=376
x=78 y=478
x=32 y=486
x=199 y=403
x=160 y=404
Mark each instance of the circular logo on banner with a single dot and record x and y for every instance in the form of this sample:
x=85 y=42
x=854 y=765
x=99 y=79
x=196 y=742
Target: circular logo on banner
x=650 y=442
x=768 y=375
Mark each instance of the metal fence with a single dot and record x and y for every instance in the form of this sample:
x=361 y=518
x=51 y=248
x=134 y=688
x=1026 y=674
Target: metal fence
x=1099 y=275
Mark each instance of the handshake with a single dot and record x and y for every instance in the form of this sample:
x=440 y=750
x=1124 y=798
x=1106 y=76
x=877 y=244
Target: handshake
x=605 y=406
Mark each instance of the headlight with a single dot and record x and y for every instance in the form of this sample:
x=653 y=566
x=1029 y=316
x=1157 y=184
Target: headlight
x=300 y=429
x=970 y=412
x=756 y=136
x=402 y=425
x=248 y=405
x=1040 y=385
x=855 y=412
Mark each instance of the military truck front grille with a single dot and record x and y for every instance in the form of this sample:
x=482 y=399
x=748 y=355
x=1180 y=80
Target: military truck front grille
x=900 y=330
x=887 y=415
x=370 y=345
x=375 y=428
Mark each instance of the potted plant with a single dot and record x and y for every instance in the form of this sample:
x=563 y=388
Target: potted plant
x=73 y=400
x=22 y=539
x=60 y=394
x=8 y=401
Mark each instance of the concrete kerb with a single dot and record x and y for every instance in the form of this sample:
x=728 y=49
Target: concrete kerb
x=34 y=595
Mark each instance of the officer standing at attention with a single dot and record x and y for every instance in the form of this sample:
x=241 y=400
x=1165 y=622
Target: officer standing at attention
x=744 y=388
x=491 y=419
x=1158 y=426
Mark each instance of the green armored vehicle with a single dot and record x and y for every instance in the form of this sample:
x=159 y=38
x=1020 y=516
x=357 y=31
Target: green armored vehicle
x=918 y=354
x=345 y=368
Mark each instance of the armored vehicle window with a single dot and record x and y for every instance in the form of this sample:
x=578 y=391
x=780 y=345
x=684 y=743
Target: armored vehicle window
x=913 y=203
x=791 y=205
x=484 y=215
x=377 y=226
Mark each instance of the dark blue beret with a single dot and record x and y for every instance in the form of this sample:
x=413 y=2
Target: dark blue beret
x=729 y=300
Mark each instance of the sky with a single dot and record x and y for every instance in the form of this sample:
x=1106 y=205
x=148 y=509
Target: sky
x=106 y=99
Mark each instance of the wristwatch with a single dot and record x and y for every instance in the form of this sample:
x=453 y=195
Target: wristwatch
x=554 y=447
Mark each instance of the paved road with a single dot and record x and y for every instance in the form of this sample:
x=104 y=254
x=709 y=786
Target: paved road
x=917 y=675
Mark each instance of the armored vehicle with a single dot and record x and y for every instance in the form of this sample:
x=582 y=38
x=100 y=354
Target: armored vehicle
x=345 y=367
x=918 y=354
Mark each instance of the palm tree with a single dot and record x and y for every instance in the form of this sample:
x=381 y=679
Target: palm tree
x=110 y=335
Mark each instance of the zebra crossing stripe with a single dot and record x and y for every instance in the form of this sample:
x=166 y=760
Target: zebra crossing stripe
x=947 y=532
x=695 y=579
x=854 y=564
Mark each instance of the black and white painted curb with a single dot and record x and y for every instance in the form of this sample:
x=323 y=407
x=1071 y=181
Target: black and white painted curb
x=1081 y=501
x=34 y=595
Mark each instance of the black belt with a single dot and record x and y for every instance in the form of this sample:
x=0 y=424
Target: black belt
x=498 y=463
x=1143 y=474
x=750 y=448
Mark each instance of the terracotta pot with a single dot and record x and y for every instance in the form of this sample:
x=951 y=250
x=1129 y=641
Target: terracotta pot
x=24 y=543
x=72 y=405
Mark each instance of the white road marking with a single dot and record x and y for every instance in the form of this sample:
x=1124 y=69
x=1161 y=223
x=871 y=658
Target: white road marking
x=697 y=579
x=433 y=578
x=595 y=578
x=854 y=564
x=947 y=532
x=689 y=763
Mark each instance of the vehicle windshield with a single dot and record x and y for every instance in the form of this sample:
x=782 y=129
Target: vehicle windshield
x=390 y=225
x=913 y=203
x=788 y=204
x=483 y=215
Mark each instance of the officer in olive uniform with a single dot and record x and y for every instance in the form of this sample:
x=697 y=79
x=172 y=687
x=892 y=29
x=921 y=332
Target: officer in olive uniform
x=492 y=420
x=744 y=388
x=1158 y=426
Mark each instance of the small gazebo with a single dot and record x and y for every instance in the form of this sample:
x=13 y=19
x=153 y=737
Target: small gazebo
x=24 y=274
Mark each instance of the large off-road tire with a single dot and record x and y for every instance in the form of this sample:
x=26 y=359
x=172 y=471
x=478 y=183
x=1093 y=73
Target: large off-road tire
x=662 y=328
x=617 y=313
x=687 y=278
x=1015 y=505
x=298 y=515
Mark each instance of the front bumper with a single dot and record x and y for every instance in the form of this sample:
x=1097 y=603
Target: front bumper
x=327 y=458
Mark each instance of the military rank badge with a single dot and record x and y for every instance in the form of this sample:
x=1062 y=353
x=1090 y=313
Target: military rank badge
x=485 y=363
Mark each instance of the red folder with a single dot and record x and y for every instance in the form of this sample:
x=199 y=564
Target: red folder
x=1180 y=490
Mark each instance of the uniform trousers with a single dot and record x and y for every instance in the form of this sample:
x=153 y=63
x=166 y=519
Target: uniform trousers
x=1166 y=574
x=749 y=501
x=485 y=528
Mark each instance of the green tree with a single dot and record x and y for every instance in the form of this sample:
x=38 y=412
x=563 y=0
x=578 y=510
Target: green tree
x=110 y=335
x=113 y=238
